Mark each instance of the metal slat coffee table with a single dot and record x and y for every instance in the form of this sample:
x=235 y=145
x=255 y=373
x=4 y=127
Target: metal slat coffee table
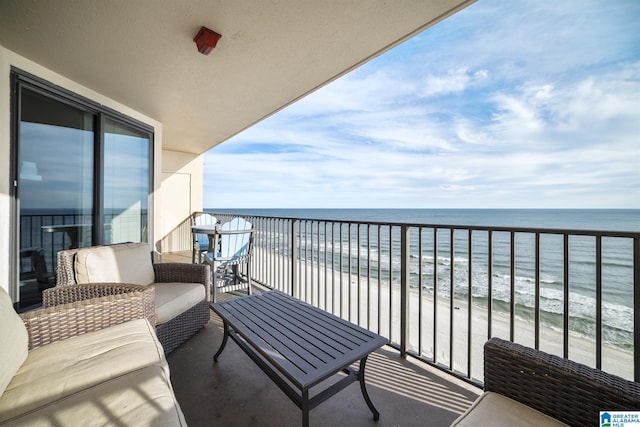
x=298 y=346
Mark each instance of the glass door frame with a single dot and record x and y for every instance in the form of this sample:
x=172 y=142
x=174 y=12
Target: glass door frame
x=22 y=80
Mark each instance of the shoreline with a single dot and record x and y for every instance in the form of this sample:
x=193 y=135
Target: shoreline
x=581 y=349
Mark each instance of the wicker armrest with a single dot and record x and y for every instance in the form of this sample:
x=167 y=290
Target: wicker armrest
x=58 y=322
x=181 y=272
x=72 y=293
x=563 y=389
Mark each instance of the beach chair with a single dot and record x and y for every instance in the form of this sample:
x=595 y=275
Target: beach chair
x=201 y=241
x=230 y=248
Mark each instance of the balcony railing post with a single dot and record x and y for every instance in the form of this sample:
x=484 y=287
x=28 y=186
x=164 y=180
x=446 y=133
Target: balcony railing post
x=404 y=289
x=294 y=258
x=636 y=304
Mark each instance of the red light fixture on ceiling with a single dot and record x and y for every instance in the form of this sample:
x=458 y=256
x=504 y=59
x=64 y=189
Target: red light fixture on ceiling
x=206 y=40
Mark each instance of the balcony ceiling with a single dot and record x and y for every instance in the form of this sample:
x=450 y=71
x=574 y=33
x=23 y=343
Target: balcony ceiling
x=141 y=53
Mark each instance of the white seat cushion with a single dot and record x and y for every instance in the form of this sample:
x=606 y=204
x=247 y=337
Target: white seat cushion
x=62 y=368
x=121 y=263
x=140 y=398
x=14 y=341
x=173 y=299
x=496 y=410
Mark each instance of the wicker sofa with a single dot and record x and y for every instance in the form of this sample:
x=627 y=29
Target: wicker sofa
x=527 y=387
x=182 y=290
x=94 y=360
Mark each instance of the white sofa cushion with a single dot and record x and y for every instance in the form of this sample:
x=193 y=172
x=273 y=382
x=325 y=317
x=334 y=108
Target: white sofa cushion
x=173 y=299
x=121 y=263
x=65 y=367
x=496 y=410
x=140 y=398
x=14 y=341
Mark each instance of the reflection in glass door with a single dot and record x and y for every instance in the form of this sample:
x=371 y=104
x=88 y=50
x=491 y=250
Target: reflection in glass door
x=126 y=183
x=55 y=187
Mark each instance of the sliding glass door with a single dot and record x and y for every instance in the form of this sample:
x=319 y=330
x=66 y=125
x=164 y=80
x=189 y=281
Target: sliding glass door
x=82 y=177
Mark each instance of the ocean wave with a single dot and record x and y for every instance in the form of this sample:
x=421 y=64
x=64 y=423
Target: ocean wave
x=579 y=324
x=617 y=274
x=617 y=319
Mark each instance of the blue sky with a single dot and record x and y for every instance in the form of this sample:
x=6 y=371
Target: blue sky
x=506 y=104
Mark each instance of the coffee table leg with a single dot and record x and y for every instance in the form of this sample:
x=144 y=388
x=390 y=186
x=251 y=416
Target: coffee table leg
x=224 y=342
x=305 y=408
x=376 y=414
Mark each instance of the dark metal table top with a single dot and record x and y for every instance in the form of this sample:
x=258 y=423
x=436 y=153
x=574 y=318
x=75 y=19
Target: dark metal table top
x=302 y=342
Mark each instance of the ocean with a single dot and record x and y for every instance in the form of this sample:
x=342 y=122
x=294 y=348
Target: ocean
x=617 y=261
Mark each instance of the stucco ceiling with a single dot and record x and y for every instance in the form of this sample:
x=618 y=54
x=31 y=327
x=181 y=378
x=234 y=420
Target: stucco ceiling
x=272 y=52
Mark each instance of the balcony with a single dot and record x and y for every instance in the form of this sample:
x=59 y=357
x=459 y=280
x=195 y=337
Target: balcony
x=432 y=368
x=395 y=279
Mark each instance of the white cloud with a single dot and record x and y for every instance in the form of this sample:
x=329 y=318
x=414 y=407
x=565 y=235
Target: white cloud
x=453 y=81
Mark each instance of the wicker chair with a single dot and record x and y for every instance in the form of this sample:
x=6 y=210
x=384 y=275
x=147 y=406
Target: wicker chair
x=77 y=309
x=567 y=391
x=90 y=357
x=177 y=330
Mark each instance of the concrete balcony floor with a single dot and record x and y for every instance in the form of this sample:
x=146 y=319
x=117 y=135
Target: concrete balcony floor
x=235 y=392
